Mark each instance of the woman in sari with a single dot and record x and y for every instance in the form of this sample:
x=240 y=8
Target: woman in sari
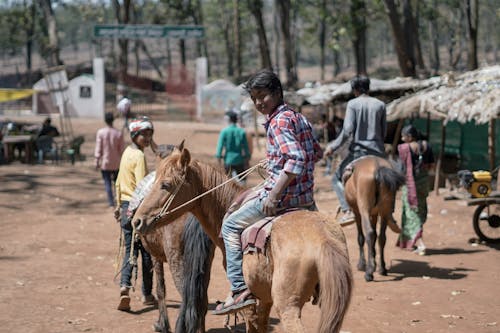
x=418 y=159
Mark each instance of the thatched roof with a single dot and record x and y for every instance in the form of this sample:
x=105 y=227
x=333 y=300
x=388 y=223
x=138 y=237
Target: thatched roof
x=472 y=96
x=328 y=93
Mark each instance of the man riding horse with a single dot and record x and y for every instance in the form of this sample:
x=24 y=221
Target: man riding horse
x=365 y=125
x=291 y=153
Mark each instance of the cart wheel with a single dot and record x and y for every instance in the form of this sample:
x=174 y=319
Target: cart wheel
x=486 y=224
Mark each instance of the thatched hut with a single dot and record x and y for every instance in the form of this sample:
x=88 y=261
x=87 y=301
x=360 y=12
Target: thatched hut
x=459 y=113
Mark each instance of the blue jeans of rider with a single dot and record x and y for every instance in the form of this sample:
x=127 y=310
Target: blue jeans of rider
x=147 y=264
x=337 y=184
x=232 y=227
x=109 y=177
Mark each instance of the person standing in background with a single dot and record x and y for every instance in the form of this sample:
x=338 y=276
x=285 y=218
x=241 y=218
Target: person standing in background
x=418 y=159
x=123 y=108
x=133 y=168
x=232 y=147
x=109 y=147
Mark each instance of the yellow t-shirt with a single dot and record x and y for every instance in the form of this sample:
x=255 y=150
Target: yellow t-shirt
x=132 y=169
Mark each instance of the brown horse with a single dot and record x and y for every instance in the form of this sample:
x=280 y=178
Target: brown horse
x=371 y=184
x=189 y=254
x=306 y=253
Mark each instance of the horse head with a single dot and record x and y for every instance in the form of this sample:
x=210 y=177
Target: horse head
x=172 y=188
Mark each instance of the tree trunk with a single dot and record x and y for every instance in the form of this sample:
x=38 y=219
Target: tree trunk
x=237 y=38
x=419 y=58
x=122 y=15
x=406 y=64
x=255 y=7
x=322 y=39
x=284 y=7
x=53 y=58
x=472 y=13
x=227 y=38
x=30 y=31
x=358 y=15
x=199 y=21
x=434 y=35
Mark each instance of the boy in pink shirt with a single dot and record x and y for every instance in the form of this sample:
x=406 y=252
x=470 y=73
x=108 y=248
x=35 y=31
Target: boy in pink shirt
x=108 y=151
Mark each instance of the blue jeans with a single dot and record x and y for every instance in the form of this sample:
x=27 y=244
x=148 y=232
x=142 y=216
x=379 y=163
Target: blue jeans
x=109 y=177
x=147 y=264
x=232 y=227
x=337 y=184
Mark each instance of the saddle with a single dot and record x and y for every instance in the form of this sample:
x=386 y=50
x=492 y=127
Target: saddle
x=254 y=238
x=349 y=168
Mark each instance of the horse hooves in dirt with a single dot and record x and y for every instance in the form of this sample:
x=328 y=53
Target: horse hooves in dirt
x=370 y=190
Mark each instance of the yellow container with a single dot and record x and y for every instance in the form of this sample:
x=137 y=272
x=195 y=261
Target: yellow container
x=481 y=187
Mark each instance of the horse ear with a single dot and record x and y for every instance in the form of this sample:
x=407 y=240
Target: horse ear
x=185 y=159
x=181 y=145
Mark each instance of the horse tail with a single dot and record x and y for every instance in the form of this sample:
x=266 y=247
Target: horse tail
x=198 y=255
x=390 y=178
x=335 y=280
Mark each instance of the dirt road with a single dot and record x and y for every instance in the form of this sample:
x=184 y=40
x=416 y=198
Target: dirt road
x=59 y=241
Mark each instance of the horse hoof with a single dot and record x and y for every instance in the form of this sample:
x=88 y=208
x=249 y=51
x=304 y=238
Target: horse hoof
x=368 y=277
x=383 y=272
x=160 y=328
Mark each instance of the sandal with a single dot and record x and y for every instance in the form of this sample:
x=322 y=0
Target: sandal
x=235 y=303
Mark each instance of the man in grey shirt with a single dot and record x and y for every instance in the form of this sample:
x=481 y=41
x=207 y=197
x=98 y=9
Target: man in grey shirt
x=365 y=125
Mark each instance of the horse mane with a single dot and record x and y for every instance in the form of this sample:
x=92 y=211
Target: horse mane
x=211 y=176
x=204 y=177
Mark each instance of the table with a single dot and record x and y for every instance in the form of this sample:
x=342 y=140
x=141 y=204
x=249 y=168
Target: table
x=9 y=143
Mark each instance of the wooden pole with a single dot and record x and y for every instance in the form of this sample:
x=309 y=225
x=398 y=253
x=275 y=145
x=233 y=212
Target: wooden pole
x=491 y=143
x=397 y=135
x=440 y=159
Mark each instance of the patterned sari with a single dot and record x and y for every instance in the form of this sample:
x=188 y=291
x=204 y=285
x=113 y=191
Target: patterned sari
x=413 y=219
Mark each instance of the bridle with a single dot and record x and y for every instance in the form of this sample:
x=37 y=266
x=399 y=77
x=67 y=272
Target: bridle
x=164 y=209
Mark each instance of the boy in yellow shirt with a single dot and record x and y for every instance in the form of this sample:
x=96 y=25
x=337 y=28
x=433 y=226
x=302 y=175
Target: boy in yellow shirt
x=133 y=169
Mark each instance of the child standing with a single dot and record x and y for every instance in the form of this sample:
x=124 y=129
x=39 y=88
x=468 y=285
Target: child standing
x=109 y=146
x=132 y=170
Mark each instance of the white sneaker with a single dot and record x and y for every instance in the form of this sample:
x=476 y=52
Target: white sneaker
x=347 y=219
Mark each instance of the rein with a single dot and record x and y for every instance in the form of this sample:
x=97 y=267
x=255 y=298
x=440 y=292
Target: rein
x=163 y=212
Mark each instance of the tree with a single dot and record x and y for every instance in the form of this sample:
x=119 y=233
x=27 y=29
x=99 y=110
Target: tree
x=358 y=15
x=401 y=44
x=255 y=7
x=122 y=15
x=284 y=8
x=53 y=58
x=472 y=14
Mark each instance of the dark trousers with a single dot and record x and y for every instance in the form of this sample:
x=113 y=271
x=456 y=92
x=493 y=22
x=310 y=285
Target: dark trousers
x=147 y=264
x=109 y=177
x=233 y=170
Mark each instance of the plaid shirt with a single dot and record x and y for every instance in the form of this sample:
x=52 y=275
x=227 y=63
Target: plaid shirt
x=291 y=147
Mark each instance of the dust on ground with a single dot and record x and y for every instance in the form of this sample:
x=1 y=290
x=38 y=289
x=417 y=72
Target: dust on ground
x=59 y=241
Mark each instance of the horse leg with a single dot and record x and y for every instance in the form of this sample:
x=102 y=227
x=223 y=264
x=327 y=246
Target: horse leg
x=381 y=244
x=162 y=325
x=371 y=237
x=257 y=321
x=289 y=315
x=263 y=311
x=361 y=243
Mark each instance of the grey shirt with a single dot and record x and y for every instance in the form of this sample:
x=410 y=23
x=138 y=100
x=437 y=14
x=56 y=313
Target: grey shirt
x=365 y=122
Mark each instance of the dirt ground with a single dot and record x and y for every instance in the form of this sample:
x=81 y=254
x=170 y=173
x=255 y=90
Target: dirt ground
x=59 y=241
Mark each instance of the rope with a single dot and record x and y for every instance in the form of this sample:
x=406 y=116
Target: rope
x=164 y=211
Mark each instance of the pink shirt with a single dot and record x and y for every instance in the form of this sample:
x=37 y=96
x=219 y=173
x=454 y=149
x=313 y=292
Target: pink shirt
x=109 y=147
